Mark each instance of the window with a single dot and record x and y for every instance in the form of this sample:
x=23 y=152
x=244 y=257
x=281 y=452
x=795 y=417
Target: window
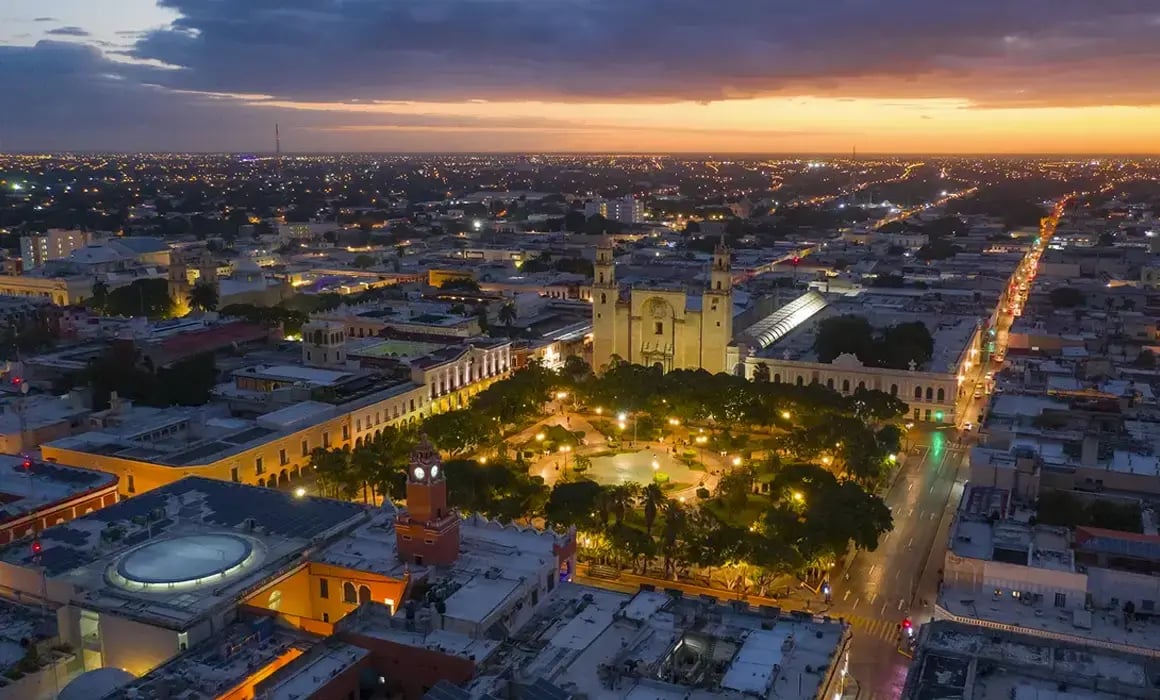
x=283 y=458
x=918 y=392
x=800 y=380
x=348 y=593
x=1060 y=600
x=929 y=394
x=777 y=378
x=323 y=588
x=234 y=474
x=830 y=383
x=603 y=298
x=862 y=385
x=258 y=466
x=364 y=594
x=131 y=487
x=305 y=448
x=845 y=386
x=358 y=424
x=346 y=432
x=942 y=394
x=659 y=328
x=926 y=415
x=894 y=390
x=326 y=440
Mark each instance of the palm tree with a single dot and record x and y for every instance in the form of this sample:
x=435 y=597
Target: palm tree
x=100 y=297
x=203 y=296
x=653 y=497
x=620 y=498
x=672 y=532
x=507 y=316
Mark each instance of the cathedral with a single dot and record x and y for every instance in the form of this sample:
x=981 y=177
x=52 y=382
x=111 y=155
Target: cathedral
x=666 y=328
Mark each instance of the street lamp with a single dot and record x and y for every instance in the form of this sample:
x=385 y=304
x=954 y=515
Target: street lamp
x=656 y=465
x=300 y=492
x=785 y=415
x=701 y=440
x=799 y=497
x=737 y=461
x=539 y=437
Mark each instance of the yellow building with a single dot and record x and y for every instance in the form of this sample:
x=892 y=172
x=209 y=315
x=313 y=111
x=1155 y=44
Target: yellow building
x=151 y=447
x=63 y=291
x=667 y=328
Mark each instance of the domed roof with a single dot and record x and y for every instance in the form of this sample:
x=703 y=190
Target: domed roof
x=95 y=684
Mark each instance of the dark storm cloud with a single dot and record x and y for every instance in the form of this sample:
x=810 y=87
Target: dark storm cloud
x=72 y=97
x=994 y=50
x=67 y=31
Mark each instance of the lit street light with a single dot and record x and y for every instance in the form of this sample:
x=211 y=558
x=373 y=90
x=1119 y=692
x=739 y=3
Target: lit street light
x=300 y=492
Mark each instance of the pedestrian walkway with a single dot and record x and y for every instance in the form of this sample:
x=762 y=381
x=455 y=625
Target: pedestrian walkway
x=886 y=630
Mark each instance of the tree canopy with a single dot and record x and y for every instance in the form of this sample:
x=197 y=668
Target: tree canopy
x=894 y=347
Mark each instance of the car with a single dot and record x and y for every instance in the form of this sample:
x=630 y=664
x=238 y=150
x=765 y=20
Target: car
x=968 y=427
x=978 y=393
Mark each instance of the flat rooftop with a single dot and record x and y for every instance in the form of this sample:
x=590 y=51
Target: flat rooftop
x=24 y=491
x=597 y=643
x=223 y=662
x=186 y=437
x=173 y=554
x=963 y=661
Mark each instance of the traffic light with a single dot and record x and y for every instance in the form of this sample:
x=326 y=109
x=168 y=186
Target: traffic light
x=796 y=260
x=36 y=548
x=938 y=415
x=907 y=627
x=26 y=464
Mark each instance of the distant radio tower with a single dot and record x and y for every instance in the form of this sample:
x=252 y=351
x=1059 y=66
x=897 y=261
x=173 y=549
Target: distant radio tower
x=277 y=152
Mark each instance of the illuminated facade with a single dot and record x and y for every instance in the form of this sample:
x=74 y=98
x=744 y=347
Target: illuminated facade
x=666 y=328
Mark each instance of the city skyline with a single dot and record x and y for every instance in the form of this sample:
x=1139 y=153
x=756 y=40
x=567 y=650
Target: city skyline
x=738 y=77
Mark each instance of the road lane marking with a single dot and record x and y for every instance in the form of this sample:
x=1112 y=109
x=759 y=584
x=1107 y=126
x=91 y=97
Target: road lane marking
x=855 y=605
x=873 y=569
x=846 y=596
x=910 y=543
x=901 y=603
x=883 y=609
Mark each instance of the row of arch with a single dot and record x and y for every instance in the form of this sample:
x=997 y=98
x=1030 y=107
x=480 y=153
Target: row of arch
x=280 y=479
x=930 y=393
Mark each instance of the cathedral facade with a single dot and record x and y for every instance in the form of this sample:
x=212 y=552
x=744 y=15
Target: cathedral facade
x=665 y=328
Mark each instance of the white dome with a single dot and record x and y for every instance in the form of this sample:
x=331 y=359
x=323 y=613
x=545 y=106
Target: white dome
x=95 y=684
x=188 y=561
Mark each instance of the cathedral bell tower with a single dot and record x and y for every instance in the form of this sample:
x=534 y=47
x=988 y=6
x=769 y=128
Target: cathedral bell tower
x=605 y=295
x=717 y=312
x=427 y=531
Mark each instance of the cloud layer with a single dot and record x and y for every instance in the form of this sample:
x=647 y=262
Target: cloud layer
x=992 y=50
x=178 y=87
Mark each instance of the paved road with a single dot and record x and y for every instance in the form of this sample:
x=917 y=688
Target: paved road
x=889 y=584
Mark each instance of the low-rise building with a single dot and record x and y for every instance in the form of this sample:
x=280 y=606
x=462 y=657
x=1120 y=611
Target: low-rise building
x=35 y=495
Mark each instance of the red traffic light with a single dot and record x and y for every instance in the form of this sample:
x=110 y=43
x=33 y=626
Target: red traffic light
x=796 y=260
x=26 y=464
x=17 y=380
x=906 y=624
x=36 y=547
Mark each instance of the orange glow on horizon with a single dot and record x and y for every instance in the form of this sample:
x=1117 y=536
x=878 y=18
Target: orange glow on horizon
x=777 y=124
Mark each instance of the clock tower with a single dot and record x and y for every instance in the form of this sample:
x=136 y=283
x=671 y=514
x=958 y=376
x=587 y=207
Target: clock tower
x=427 y=530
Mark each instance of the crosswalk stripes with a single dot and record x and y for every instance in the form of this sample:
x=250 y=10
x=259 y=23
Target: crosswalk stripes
x=886 y=630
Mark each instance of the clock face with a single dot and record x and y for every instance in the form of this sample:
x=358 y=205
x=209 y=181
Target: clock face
x=434 y=471
x=418 y=472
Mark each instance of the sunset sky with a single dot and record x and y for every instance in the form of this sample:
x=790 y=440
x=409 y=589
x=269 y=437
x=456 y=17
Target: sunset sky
x=898 y=76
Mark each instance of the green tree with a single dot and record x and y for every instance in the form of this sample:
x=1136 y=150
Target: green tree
x=363 y=261
x=460 y=284
x=100 y=295
x=203 y=297
x=574 y=503
x=144 y=297
x=507 y=315
x=652 y=498
x=1067 y=298
x=458 y=431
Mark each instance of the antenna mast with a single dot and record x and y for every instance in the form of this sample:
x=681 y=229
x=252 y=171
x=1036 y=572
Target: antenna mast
x=277 y=152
